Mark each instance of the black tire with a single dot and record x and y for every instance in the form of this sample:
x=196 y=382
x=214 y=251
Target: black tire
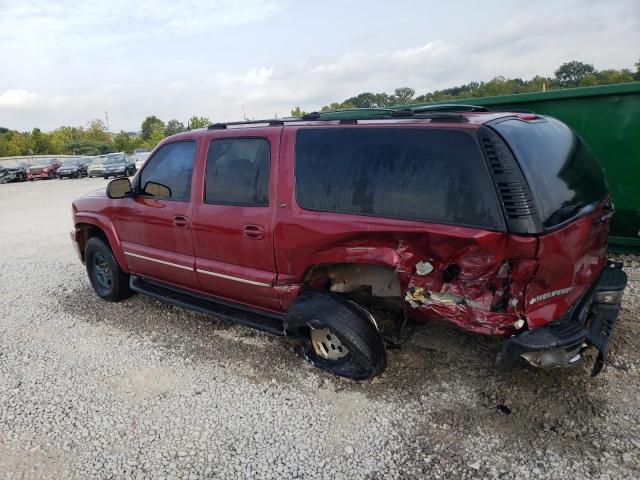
x=106 y=277
x=316 y=309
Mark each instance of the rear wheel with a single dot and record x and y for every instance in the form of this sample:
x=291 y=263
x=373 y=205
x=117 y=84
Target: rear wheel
x=106 y=276
x=336 y=335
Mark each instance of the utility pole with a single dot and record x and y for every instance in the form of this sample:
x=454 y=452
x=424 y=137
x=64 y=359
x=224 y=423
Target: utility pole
x=106 y=116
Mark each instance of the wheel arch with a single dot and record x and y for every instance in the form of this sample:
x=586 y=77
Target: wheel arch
x=88 y=226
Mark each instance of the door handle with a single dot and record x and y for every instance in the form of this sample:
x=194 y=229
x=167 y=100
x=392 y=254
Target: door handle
x=253 y=232
x=181 y=221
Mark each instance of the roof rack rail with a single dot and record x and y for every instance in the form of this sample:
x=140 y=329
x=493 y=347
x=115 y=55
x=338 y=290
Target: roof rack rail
x=274 y=122
x=451 y=107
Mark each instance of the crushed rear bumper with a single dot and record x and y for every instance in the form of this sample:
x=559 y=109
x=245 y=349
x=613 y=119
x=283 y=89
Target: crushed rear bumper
x=590 y=322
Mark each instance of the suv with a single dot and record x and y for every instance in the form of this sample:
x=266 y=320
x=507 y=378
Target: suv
x=43 y=168
x=334 y=229
x=72 y=168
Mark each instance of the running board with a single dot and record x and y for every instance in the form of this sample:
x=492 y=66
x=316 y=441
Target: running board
x=267 y=322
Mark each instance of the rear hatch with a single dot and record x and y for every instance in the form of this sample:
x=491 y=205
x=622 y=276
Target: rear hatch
x=572 y=210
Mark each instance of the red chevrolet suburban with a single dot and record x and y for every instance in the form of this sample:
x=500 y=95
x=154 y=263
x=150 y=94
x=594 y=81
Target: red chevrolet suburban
x=336 y=228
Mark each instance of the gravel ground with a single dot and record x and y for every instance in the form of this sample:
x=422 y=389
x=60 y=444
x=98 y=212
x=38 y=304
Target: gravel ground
x=140 y=389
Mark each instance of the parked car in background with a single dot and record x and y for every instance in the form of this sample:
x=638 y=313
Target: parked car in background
x=141 y=158
x=327 y=230
x=43 y=168
x=71 y=168
x=117 y=165
x=13 y=172
x=96 y=168
x=86 y=161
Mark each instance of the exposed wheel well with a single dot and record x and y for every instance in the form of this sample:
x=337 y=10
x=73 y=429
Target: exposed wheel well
x=88 y=231
x=348 y=277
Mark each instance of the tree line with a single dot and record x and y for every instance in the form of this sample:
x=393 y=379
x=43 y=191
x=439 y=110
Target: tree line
x=568 y=75
x=93 y=139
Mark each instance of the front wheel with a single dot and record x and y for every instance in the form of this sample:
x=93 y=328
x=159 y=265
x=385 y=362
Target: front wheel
x=336 y=335
x=106 y=276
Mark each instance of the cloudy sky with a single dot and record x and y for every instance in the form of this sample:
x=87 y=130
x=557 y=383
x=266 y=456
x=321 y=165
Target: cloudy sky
x=65 y=62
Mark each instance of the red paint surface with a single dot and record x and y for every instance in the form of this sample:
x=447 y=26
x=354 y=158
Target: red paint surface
x=43 y=171
x=499 y=275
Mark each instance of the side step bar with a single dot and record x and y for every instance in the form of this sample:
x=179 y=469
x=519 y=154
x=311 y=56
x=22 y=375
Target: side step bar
x=267 y=322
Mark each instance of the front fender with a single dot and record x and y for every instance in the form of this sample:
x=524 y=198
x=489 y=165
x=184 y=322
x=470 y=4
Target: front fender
x=106 y=226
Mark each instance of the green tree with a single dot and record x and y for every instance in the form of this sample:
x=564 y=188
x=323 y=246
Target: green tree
x=151 y=125
x=572 y=73
x=637 y=74
x=122 y=142
x=403 y=95
x=173 y=126
x=39 y=142
x=297 y=112
x=198 y=122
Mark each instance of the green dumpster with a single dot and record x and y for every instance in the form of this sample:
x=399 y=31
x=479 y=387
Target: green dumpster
x=607 y=117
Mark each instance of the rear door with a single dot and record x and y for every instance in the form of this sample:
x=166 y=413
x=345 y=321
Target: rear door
x=232 y=221
x=156 y=232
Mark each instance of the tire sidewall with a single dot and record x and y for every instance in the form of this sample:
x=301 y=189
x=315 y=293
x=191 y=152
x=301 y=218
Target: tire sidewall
x=96 y=245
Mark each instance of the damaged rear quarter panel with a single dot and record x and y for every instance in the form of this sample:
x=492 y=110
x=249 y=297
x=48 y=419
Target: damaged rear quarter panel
x=487 y=269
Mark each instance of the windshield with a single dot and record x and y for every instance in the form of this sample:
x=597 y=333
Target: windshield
x=562 y=172
x=143 y=156
x=112 y=160
x=99 y=161
x=70 y=163
x=42 y=161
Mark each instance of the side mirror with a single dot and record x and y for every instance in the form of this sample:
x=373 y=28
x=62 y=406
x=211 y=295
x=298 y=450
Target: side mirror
x=119 y=188
x=157 y=190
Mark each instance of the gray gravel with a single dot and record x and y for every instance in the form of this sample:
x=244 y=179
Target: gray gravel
x=141 y=389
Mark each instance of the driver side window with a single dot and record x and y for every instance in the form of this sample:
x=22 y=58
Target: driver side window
x=171 y=166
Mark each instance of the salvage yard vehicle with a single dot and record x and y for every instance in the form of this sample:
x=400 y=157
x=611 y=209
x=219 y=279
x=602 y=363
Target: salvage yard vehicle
x=43 y=168
x=13 y=172
x=117 y=165
x=71 y=168
x=96 y=168
x=336 y=228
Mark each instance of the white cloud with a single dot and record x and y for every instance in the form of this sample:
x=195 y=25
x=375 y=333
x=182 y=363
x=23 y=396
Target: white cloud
x=17 y=98
x=80 y=25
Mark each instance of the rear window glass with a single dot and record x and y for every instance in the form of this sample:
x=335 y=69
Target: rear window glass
x=562 y=172
x=430 y=175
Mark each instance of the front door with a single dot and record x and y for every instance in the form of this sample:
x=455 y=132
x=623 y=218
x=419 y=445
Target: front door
x=155 y=230
x=232 y=224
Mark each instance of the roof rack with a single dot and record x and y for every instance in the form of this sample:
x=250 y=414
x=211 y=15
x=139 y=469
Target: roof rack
x=353 y=115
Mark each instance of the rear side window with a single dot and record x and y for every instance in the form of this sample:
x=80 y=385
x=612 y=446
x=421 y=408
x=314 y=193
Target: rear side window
x=172 y=166
x=562 y=172
x=430 y=175
x=238 y=172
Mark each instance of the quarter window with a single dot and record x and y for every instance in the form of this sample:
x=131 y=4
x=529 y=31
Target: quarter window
x=431 y=175
x=238 y=172
x=171 y=166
